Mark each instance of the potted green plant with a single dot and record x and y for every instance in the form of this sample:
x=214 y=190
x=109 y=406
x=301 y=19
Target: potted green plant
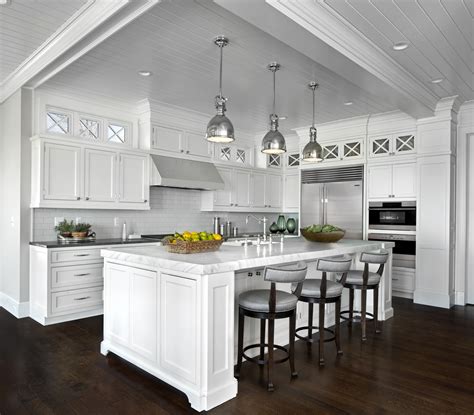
x=65 y=228
x=81 y=230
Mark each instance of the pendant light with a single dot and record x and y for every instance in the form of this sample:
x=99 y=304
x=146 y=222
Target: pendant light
x=312 y=151
x=273 y=142
x=220 y=129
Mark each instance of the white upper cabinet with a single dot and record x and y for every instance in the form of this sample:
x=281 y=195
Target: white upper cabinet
x=88 y=176
x=224 y=197
x=291 y=192
x=133 y=178
x=343 y=151
x=99 y=175
x=62 y=167
x=242 y=188
x=180 y=142
x=391 y=145
x=273 y=191
x=392 y=181
x=258 y=190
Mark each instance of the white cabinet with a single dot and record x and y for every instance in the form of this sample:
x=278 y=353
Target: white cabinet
x=291 y=193
x=242 y=188
x=69 y=175
x=62 y=170
x=392 y=181
x=133 y=179
x=224 y=197
x=179 y=142
x=273 y=191
x=258 y=190
x=392 y=145
x=99 y=175
x=344 y=151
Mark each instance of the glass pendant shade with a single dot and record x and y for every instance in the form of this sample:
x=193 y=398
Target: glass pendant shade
x=273 y=142
x=313 y=152
x=220 y=129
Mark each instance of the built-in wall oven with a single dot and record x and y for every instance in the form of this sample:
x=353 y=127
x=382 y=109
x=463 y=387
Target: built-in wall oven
x=395 y=222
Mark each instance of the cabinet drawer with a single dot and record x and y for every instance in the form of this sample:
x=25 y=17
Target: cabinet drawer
x=403 y=280
x=76 y=300
x=75 y=255
x=76 y=275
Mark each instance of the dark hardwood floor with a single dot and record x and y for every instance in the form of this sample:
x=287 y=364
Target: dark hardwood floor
x=422 y=363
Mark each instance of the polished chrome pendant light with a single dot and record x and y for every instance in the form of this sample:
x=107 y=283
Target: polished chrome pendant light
x=312 y=151
x=273 y=142
x=220 y=129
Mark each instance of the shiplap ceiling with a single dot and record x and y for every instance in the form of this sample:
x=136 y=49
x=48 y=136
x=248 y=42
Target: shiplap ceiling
x=174 y=41
x=25 y=25
x=440 y=34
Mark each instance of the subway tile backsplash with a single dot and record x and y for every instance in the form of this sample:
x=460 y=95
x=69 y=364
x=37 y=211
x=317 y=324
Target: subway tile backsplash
x=171 y=210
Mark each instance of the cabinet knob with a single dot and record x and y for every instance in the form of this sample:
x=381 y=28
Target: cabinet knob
x=187 y=151
x=145 y=201
x=182 y=151
x=232 y=204
x=87 y=198
x=236 y=204
x=78 y=198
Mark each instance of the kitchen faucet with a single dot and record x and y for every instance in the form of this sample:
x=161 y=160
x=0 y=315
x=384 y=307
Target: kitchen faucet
x=259 y=220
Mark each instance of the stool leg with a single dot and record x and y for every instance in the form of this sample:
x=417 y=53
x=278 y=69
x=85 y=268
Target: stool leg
x=262 y=339
x=376 y=310
x=294 y=373
x=363 y=313
x=310 y=323
x=240 y=346
x=338 y=326
x=271 y=333
x=351 y=306
x=321 y=333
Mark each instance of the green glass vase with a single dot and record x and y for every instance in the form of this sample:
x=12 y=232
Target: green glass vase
x=291 y=225
x=281 y=223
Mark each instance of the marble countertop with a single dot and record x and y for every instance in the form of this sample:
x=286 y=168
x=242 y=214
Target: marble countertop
x=97 y=242
x=232 y=258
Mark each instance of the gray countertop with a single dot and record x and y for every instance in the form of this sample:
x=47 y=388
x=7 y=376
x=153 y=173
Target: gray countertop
x=97 y=242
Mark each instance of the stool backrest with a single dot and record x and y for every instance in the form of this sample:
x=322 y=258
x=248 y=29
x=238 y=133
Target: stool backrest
x=339 y=265
x=374 y=257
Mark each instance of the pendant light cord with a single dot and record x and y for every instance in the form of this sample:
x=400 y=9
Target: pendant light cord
x=313 y=106
x=274 y=89
x=220 y=74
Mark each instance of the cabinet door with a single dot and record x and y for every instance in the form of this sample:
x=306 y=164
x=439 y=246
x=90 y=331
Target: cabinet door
x=291 y=191
x=273 y=191
x=404 y=180
x=62 y=172
x=242 y=188
x=224 y=197
x=143 y=312
x=380 y=182
x=196 y=145
x=258 y=190
x=100 y=175
x=352 y=150
x=380 y=146
x=133 y=178
x=167 y=139
x=331 y=152
x=404 y=144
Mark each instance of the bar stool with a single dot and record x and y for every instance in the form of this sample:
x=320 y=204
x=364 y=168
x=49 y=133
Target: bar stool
x=270 y=305
x=323 y=291
x=365 y=280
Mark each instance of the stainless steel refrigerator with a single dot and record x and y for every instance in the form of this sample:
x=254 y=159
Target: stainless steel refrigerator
x=334 y=196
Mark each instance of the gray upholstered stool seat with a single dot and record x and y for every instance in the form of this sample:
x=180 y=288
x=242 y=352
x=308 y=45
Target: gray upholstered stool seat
x=312 y=288
x=257 y=300
x=356 y=278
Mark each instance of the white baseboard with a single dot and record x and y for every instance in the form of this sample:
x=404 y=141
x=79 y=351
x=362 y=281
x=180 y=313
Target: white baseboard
x=432 y=299
x=459 y=298
x=402 y=294
x=19 y=310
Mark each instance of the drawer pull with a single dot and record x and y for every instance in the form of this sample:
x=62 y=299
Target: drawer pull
x=81 y=254
x=81 y=298
x=395 y=279
x=82 y=275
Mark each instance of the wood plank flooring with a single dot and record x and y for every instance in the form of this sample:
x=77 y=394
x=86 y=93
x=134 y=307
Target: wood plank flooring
x=422 y=363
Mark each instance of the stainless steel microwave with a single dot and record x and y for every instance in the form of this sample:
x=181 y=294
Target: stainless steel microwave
x=392 y=216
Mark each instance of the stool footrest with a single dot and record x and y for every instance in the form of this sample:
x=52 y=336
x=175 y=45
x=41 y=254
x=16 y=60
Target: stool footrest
x=306 y=339
x=262 y=362
x=356 y=315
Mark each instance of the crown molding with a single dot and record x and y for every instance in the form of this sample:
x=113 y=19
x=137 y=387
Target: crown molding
x=90 y=25
x=324 y=23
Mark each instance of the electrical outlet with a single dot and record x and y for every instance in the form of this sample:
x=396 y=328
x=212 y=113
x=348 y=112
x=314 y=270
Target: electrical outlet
x=116 y=221
x=57 y=220
x=78 y=220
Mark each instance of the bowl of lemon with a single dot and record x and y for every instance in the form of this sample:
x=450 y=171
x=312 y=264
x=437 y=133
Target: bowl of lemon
x=193 y=242
x=322 y=233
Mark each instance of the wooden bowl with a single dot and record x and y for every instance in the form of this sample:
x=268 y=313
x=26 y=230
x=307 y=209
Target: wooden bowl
x=323 y=236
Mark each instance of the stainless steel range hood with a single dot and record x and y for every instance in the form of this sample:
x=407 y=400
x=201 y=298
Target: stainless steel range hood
x=185 y=174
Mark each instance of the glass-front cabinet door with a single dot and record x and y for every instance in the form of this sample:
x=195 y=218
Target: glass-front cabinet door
x=352 y=149
x=380 y=146
x=404 y=144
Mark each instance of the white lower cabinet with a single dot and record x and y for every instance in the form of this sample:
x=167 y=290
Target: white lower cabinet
x=392 y=181
x=86 y=175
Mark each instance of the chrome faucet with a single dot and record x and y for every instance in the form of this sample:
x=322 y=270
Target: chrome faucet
x=259 y=220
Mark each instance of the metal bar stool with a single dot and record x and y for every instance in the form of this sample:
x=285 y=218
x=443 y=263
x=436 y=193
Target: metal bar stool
x=323 y=291
x=270 y=305
x=365 y=280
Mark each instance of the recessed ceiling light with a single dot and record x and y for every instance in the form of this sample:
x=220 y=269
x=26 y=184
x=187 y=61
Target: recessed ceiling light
x=144 y=73
x=400 y=46
x=348 y=103
x=437 y=80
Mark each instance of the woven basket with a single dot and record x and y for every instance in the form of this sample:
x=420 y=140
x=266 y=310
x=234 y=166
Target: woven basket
x=189 y=247
x=323 y=236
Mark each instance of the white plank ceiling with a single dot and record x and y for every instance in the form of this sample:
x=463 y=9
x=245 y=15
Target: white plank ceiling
x=174 y=41
x=26 y=24
x=440 y=34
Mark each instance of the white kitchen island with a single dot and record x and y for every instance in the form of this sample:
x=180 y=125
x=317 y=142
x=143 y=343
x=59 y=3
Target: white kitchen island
x=173 y=315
